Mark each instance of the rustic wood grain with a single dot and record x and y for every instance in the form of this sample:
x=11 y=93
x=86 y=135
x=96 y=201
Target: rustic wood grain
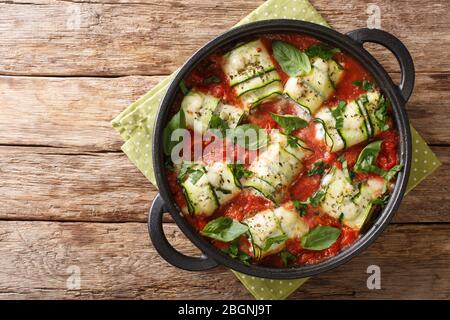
x=76 y=112
x=149 y=37
x=117 y=261
x=57 y=184
x=61 y=112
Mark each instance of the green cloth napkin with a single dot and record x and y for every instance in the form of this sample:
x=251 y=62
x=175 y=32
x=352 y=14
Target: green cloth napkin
x=135 y=125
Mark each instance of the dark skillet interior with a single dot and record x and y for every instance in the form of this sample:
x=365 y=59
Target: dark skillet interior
x=335 y=39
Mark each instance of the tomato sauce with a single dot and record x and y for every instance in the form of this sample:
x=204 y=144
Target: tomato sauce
x=247 y=203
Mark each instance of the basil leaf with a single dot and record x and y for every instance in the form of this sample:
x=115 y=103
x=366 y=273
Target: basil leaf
x=183 y=87
x=365 y=84
x=239 y=171
x=301 y=207
x=367 y=157
x=391 y=173
x=294 y=142
x=289 y=123
x=287 y=257
x=274 y=240
x=212 y=79
x=249 y=136
x=178 y=121
x=318 y=168
x=320 y=238
x=317 y=197
x=216 y=122
x=322 y=51
x=224 y=229
x=293 y=61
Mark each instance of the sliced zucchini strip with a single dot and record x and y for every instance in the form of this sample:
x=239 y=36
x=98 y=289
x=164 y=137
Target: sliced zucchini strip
x=335 y=71
x=221 y=179
x=232 y=115
x=198 y=109
x=255 y=97
x=371 y=190
x=303 y=94
x=282 y=223
x=247 y=61
x=200 y=197
x=326 y=130
x=344 y=198
x=373 y=104
x=313 y=89
x=257 y=82
x=354 y=128
x=276 y=167
x=260 y=186
x=318 y=79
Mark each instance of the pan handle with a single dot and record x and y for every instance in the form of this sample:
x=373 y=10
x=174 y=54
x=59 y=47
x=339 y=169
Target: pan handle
x=394 y=45
x=165 y=249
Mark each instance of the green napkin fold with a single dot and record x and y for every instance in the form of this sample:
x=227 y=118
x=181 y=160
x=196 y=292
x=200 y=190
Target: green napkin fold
x=135 y=125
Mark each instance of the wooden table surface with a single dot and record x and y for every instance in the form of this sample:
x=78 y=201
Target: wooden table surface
x=71 y=201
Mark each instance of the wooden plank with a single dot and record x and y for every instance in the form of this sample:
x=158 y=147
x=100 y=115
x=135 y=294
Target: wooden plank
x=62 y=112
x=76 y=112
x=116 y=261
x=57 y=184
x=146 y=37
x=50 y=183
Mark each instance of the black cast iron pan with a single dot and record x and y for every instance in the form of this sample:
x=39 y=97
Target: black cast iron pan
x=351 y=43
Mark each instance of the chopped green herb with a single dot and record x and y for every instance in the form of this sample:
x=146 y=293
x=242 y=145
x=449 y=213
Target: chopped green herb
x=381 y=114
x=301 y=207
x=212 y=79
x=320 y=238
x=318 y=168
x=244 y=258
x=239 y=171
x=341 y=217
x=293 y=141
x=317 y=197
x=183 y=87
x=232 y=250
x=287 y=257
x=293 y=61
x=218 y=123
x=365 y=84
x=185 y=169
x=381 y=201
x=338 y=114
x=322 y=51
